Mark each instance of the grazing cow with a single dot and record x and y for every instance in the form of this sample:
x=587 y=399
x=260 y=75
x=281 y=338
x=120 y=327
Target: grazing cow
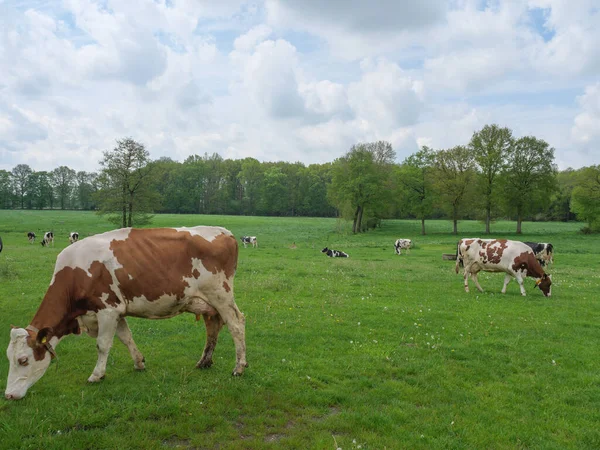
x=150 y=273
x=334 y=253
x=48 y=239
x=1 y=246
x=31 y=237
x=249 y=240
x=402 y=244
x=73 y=237
x=514 y=258
x=544 y=252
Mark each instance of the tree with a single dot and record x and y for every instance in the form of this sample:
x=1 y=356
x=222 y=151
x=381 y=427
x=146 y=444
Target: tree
x=490 y=146
x=20 y=175
x=416 y=190
x=125 y=181
x=454 y=174
x=360 y=183
x=6 y=189
x=63 y=180
x=85 y=187
x=529 y=176
x=586 y=197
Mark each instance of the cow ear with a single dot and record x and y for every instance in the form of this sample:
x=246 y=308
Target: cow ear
x=44 y=335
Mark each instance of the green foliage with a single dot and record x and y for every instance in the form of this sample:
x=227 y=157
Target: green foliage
x=490 y=147
x=416 y=179
x=361 y=182
x=453 y=176
x=529 y=176
x=586 y=197
x=125 y=193
x=376 y=350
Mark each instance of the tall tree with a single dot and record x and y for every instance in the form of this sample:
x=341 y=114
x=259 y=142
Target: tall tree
x=6 y=189
x=20 y=176
x=529 y=176
x=63 y=180
x=125 y=181
x=454 y=172
x=586 y=197
x=360 y=183
x=490 y=146
x=416 y=184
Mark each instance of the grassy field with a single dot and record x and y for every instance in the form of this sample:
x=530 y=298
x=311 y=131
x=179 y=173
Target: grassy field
x=375 y=351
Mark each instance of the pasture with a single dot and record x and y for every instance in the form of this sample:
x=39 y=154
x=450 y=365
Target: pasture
x=374 y=351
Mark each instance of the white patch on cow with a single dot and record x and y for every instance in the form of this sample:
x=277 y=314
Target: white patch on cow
x=89 y=250
x=165 y=306
x=130 y=277
x=208 y=233
x=104 y=297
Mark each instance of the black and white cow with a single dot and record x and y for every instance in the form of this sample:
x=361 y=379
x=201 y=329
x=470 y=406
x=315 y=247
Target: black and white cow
x=1 y=246
x=544 y=252
x=334 y=253
x=48 y=239
x=73 y=237
x=31 y=237
x=402 y=244
x=249 y=240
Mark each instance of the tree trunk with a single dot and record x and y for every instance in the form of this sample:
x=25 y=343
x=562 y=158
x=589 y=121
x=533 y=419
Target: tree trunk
x=488 y=217
x=455 y=220
x=423 y=227
x=355 y=219
x=519 y=220
x=124 y=217
x=359 y=221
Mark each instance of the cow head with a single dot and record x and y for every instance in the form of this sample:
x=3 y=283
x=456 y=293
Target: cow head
x=29 y=357
x=545 y=284
x=325 y=250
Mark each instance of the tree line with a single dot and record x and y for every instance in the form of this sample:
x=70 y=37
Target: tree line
x=495 y=175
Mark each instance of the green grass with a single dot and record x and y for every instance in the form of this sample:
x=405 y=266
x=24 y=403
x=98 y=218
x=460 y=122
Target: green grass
x=377 y=351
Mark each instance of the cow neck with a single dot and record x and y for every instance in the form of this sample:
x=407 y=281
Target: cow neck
x=56 y=311
x=535 y=269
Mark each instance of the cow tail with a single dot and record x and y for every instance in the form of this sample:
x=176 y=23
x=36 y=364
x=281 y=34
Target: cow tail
x=459 y=260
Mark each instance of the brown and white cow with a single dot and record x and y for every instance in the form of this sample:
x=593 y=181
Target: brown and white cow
x=150 y=273
x=514 y=258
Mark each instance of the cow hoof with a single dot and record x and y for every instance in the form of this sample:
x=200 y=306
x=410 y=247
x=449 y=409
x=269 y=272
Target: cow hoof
x=140 y=367
x=95 y=378
x=204 y=364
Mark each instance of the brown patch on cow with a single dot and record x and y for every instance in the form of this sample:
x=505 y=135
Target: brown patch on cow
x=495 y=250
x=166 y=255
x=73 y=293
x=226 y=286
x=526 y=261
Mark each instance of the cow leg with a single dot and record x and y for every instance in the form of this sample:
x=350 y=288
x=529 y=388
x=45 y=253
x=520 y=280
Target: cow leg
x=236 y=322
x=107 y=326
x=213 y=326
x=507 y=278
x=125 y=336
x=477 y=285
x=519 y=279
x=466 y=277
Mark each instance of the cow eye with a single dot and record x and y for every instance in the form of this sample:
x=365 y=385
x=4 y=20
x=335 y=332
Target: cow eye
x=24 y=361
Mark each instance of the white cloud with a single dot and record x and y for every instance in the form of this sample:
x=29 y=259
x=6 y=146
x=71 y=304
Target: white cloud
x=292 y=80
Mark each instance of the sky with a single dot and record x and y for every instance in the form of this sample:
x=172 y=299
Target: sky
x=293 y=80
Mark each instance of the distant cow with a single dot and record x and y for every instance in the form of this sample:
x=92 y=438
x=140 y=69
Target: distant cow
x=48 y=239
x=31 y=237
x=544 y=252
x=1 y=246
x=334 y=253
x=402 y=244
x=73 y=237
x=249 y=240
x=514 y=258
x=149 y=273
